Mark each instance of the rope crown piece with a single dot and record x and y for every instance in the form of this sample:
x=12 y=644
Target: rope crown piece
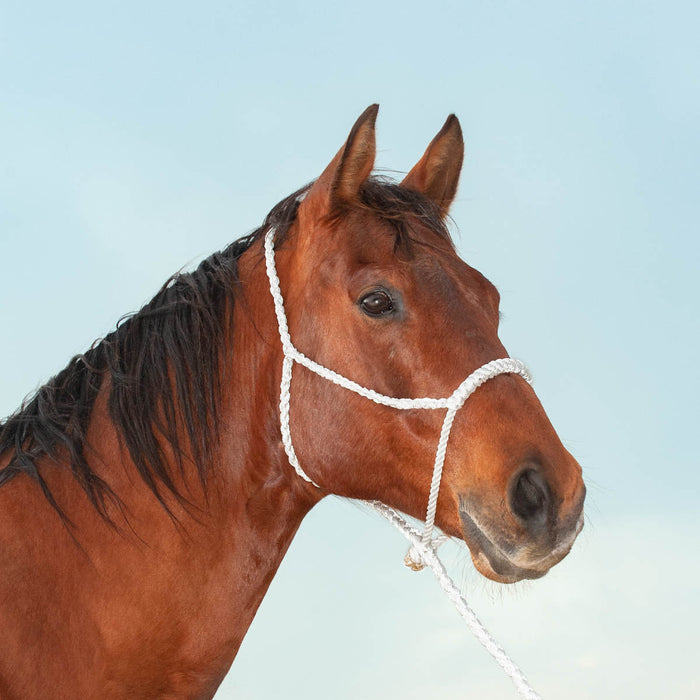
x=423 y=546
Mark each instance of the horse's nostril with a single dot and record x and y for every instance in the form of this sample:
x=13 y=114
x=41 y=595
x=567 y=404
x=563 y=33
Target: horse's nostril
x=529 y=497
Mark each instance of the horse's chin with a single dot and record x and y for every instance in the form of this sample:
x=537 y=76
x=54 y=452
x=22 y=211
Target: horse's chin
x=490 y=561
x=507 y=572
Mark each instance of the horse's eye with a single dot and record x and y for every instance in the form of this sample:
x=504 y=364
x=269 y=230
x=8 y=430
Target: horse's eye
x=377 y=303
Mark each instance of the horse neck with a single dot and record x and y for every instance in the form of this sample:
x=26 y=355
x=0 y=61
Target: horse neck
x=198 y=578
x=253 y=503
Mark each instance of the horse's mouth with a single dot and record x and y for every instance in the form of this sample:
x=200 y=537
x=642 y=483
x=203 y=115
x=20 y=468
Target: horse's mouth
x=488 y=557
x=492 y=561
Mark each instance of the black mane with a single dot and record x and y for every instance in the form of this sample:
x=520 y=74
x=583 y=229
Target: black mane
x=163 y=366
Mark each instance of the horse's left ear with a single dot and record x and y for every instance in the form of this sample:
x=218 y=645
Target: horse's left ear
x=340 y=182
x=436 y=174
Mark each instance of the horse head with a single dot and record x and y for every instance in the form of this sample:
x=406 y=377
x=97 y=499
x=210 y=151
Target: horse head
x=375 y=290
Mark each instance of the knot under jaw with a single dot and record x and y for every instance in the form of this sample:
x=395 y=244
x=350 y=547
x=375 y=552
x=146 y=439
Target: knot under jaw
x=413 y=560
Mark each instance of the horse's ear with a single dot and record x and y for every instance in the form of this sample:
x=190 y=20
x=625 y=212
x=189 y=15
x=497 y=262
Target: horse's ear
x=436 y=174
x=340 y=182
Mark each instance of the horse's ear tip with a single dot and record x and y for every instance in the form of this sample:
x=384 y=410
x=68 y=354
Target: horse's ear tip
x=371 y=112
x=365 y=123
x=452 y=122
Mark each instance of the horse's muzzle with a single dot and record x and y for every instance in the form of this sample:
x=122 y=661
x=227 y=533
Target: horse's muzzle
x=537 y=540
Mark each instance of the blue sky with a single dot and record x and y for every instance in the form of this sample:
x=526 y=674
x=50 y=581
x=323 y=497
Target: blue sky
x=137 y=138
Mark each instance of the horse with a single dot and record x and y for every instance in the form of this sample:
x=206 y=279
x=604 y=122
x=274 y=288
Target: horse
x=146 y=496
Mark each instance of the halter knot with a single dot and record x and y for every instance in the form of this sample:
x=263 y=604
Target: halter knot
x=413 y=559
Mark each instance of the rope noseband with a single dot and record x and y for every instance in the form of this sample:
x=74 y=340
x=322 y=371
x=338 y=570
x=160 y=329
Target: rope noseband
x=423 y=550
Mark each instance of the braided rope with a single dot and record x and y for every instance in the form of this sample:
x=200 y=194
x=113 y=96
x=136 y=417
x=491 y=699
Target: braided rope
x=430 y=557
x=423 y=546
x=285 y=392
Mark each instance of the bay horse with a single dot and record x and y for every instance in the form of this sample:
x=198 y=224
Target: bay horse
x=146 y=499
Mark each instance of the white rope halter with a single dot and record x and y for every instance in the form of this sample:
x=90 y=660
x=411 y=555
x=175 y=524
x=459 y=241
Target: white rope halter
x=423 y=550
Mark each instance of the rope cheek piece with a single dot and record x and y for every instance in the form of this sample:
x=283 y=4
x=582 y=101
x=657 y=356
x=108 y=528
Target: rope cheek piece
x=423 y=546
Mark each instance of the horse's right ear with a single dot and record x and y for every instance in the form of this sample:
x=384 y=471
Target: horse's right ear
x=436 y=174
x=340 y=182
